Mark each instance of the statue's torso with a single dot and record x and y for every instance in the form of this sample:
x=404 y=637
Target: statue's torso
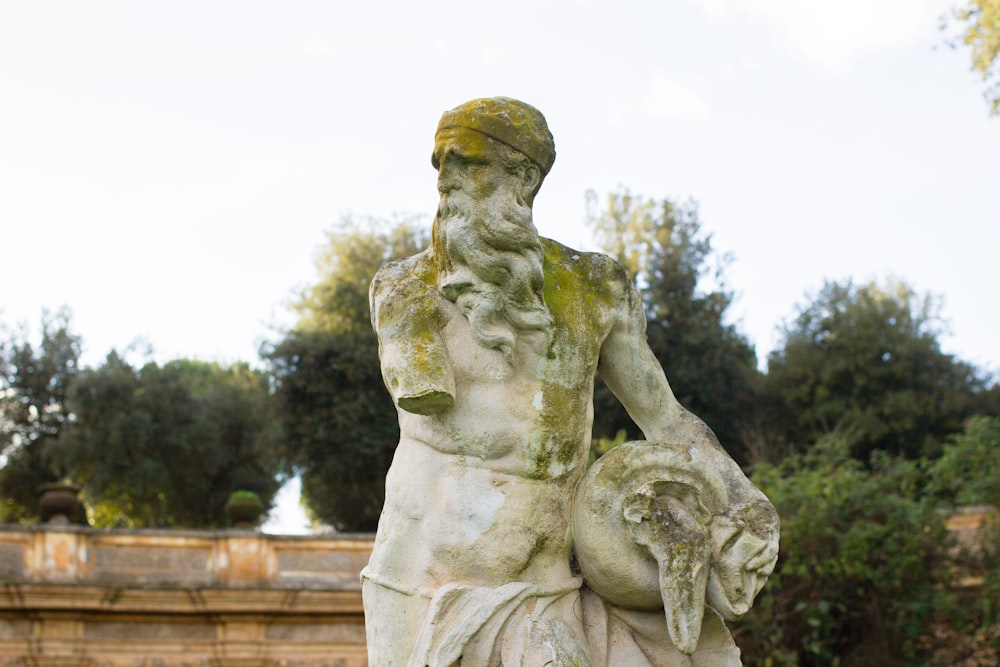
x=481 y=492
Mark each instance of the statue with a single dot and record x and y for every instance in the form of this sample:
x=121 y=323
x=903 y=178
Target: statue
x=496 y=545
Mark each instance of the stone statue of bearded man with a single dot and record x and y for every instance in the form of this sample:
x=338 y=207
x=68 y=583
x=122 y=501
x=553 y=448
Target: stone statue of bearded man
x=489 y=342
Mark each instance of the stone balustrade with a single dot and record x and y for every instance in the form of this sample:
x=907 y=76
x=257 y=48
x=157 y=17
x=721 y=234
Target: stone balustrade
x=81 y=597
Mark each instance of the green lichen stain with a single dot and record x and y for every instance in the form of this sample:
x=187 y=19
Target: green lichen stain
x=578 y=295
x=577 y=291
x=407 y=316
x=612 y=472
x=554 y=445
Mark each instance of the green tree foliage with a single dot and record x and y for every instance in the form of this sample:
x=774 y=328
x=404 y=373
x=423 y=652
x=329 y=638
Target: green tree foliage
x=34 y=379
x=981 y=22
x=867 y=574
x=968 y=472
x=164 y=446
x=712 y=368
x=864 y=362
x=353 y=252
x=339 y=420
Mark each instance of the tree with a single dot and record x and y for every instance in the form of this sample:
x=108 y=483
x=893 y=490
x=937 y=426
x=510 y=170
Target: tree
x=34 y=379
x=968 y=472
x=867 y=574
x=164 y=446
x=712 y=368
x=339 y=420
x=864 y=362
x=981 y=19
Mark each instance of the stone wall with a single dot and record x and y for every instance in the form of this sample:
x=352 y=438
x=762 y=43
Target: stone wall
x=91 y=598
x=78 y=597
x=965 y=524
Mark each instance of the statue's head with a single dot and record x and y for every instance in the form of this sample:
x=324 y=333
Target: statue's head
x=508 y=139
x=491 y=156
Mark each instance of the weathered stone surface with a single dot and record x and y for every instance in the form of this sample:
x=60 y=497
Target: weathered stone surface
x=15 y=629
x=489 y=342
x=139 y=563
x=330 y=633
x=148 y=630
x=321 y=563
x=659 y=528
x=11 y=560
x=179 y=599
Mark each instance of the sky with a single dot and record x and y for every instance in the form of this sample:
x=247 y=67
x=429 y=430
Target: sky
x=169 y=170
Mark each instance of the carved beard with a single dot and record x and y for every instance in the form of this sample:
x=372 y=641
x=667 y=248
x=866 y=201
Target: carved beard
x=489 y=261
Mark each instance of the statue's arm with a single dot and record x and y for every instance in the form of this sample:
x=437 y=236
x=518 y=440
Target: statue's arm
x=630 y=369
x=405 y=316
x=745 y=535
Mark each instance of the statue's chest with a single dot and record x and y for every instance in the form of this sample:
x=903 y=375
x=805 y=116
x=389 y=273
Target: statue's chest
x=562 y=355
x=531 y=409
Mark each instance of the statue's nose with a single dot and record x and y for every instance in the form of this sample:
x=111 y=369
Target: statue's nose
x=447 y=181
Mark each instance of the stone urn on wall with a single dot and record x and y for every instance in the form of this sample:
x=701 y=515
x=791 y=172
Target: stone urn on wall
x=58 y=504
x=244 y=509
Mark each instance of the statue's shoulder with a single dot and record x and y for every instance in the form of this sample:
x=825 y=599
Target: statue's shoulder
x=404 y=290
x=403 y=276
x=591 y=270
x=591 y=280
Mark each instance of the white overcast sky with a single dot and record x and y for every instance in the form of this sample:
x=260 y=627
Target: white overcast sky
x=168 y=169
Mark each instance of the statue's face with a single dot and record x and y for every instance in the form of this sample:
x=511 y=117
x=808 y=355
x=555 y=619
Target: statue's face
x=466 y=161
x=741 y=565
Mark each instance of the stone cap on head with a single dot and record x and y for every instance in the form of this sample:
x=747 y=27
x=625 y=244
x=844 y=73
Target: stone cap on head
x=512 y=122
